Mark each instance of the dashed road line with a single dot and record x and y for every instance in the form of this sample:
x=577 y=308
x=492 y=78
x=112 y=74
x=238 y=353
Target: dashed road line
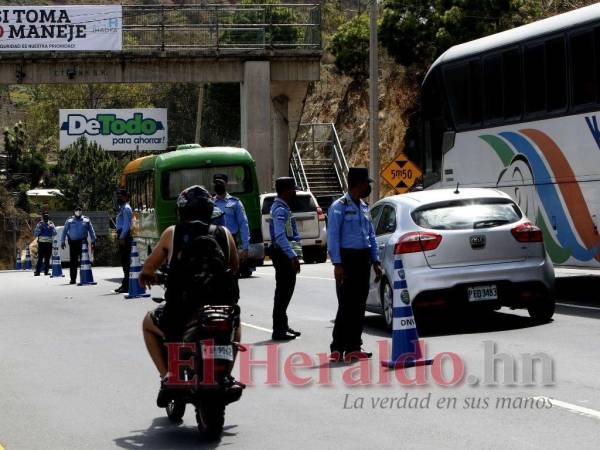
x=301 y=276
x=572 y=408
x=256 y=327
x=568 y=305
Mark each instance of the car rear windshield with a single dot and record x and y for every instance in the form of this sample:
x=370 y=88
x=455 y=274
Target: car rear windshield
x=467 y=214
x=303 y=204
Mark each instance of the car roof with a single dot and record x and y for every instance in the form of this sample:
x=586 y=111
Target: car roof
x=274 y=194
x=419 y=198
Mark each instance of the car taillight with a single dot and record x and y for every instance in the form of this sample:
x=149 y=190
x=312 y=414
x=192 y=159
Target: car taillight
x=320 y=214
x=417 y=242
x=527 y=232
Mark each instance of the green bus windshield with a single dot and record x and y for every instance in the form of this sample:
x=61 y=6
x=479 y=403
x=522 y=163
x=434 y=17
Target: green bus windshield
x=175 y=181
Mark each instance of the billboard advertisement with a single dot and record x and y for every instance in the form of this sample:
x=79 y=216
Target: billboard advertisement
x=61 y=28
x=116 y=129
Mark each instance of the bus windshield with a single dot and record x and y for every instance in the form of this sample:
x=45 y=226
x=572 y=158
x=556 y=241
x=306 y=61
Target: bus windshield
x=176 y=181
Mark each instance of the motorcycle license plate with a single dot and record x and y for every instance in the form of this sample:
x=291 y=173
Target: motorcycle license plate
x=218 y=352
x=482 y=293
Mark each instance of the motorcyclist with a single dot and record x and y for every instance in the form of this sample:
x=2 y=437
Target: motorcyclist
x=166 y=322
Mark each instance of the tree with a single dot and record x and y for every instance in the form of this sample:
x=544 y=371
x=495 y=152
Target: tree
x=87 y=175
x=415 y=33
x=350 y=46
x=26 y=162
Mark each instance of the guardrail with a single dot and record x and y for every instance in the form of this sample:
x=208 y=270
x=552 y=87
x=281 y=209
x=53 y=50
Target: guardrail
x=297 y=168
x=222 y=27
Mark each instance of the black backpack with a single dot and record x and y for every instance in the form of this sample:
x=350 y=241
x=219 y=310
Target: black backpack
x=198 y=272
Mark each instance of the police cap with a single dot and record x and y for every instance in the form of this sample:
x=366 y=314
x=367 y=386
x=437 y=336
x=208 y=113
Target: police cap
x=283 y=183
x=220 y=177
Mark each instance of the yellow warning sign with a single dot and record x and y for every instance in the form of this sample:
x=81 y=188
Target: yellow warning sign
x=401 y=174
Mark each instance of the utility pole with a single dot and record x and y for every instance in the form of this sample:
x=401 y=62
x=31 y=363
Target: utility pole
x=374 y=102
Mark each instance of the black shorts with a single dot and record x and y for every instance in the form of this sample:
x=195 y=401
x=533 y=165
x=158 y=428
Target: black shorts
x=167 y=321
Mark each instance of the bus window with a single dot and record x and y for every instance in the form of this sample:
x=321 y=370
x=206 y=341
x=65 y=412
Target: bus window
x=556 y=74
x=475 y=91
x=457 y=87
x=512 y=78
x=175 y=181
x=492 y=69
x=535 y=79
x=583 y=74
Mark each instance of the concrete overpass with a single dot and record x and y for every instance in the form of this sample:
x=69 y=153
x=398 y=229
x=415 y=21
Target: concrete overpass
x=272 y=51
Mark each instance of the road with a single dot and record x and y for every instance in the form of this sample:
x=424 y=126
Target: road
x=74 y=373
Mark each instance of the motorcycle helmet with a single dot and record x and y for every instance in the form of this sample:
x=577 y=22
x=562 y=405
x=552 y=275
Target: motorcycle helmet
x=195 y=203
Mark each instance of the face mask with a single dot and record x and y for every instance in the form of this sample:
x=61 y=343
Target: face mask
x=46 y=218
x=78 y=213
x=220 y=189
x=367 y=191
x=120 y=202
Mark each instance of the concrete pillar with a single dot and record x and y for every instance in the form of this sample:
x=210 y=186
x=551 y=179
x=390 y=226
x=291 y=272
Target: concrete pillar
x=198 y=137
x=281 y=136
x=255 y=105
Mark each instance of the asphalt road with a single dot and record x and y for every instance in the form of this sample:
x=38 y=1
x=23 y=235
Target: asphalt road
x=74 y=373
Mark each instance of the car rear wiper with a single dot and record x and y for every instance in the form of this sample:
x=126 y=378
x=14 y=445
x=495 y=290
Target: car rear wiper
x=489 y=223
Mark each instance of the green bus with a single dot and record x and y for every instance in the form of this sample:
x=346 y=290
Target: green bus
x=155 y=181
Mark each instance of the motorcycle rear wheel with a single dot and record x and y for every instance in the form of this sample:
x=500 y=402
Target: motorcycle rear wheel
x=175 y=411
x=210 y=416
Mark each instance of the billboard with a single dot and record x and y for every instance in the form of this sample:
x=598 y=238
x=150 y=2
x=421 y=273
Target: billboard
x=115 y=129
x=61 y=28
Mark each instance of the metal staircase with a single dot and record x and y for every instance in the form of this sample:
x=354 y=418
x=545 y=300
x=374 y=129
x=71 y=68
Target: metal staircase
x=318 y=163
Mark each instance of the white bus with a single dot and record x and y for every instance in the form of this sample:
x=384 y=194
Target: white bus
x=520 y=111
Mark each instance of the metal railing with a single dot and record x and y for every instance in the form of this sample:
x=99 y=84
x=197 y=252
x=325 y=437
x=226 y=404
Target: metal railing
x=222 y=27
x=321 y=141
x=297 y=169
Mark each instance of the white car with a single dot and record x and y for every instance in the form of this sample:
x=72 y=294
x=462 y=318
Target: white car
x=65 y=256
x=310 y=220
x=461 y=248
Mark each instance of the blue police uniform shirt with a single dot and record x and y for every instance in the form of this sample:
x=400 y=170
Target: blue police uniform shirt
x=280 y=214
x=124 y=219
x=234 y=218
x=45 y=231
x=77 y=229
x=350 y=226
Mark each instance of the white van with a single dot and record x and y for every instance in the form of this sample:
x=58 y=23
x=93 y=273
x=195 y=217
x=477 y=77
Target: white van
x=310 y=220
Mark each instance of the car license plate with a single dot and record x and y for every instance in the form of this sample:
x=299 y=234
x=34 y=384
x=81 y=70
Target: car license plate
x=217 y=352
x=482 y=293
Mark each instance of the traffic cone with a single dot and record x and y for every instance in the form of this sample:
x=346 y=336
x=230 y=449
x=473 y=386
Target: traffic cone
x=406 y=351
x=27 y=257
x=135 y=289
x=85 y=272
x=18 y=264
x=56 y=263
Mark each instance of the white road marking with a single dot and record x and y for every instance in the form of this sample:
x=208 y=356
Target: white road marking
x=301 y=276
x=256 y=327
x=572 y=408
x=594 y=308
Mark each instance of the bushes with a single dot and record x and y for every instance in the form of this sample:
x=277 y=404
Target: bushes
x=350 y=46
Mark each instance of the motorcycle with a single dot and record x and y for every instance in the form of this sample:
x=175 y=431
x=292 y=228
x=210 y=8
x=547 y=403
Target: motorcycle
x=207 y=354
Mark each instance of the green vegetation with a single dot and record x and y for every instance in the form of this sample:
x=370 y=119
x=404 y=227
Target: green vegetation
x=87 y=175
x=26 y=162
x=350 y=46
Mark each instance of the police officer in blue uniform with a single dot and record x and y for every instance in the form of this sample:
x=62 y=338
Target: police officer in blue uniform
x=123 y=223
x=353 y=251
x=285 y=254
x=77 y=228
x=45 y=232
x=234 y=217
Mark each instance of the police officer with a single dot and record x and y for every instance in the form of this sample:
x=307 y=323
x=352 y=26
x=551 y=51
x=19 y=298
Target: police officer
x=285 y=253
x=77 y=228
x=353 y=250
x=124 y=221
x=45 y=232
x=234 y=217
